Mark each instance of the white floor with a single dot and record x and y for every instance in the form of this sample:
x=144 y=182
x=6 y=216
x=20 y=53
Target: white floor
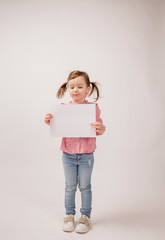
x=31 y=207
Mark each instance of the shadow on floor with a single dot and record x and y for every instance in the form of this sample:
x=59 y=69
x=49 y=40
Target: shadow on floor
x=150 y=218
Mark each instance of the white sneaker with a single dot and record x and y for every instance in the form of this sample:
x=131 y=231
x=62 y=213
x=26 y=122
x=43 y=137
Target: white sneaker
x=68 y=225
x=83 y=225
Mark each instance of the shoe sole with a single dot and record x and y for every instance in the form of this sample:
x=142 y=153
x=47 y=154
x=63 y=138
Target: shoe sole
x=81 y=232
x=66 y=230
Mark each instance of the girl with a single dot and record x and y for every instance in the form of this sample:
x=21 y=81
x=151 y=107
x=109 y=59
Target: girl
x=77 y=155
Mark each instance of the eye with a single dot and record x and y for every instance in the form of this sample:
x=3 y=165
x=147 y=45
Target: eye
x=80 y=87
x=71 y=87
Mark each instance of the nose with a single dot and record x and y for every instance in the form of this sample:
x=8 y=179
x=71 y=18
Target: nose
x=75 y=89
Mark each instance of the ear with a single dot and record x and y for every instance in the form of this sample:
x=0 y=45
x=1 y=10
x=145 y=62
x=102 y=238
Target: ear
x=88 y=89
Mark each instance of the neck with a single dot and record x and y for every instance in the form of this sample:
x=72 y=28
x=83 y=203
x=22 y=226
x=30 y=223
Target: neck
x=81 y=102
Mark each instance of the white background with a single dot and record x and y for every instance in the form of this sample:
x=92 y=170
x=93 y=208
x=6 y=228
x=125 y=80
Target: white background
x=120 y=44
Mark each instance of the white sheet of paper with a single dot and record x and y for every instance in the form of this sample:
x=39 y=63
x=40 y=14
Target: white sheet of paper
x=73 y=120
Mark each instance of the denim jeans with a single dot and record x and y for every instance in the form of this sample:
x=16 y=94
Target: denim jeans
x=78 y=170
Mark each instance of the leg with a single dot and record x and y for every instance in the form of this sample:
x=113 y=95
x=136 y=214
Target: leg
x=85 y=168
x=70 y=171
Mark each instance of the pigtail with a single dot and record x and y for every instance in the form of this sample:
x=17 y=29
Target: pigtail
x=95 y=88
x=62 y=90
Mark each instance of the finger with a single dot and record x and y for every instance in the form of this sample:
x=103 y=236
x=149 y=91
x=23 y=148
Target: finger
x=97 y=127
x=47 y=122
x=49 y=115
x=96 y=123
x=48 y=118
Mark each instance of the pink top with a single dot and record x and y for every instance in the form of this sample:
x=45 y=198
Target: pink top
x=81 y=145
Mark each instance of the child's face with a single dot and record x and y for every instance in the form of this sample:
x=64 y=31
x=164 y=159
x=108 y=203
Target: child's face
x=78 y=89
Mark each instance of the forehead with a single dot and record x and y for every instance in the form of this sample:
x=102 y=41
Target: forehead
x=77 y=80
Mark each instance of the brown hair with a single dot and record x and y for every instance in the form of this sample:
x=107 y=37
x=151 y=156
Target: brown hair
x=73 y=75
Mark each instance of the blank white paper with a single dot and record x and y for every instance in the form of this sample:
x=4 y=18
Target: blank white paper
x=73 y=120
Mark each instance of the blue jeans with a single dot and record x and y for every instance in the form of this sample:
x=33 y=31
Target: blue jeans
x=78 y=169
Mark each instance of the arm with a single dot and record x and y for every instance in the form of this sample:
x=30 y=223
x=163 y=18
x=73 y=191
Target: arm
x=98 y=125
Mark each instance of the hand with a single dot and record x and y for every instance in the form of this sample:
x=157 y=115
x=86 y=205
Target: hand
x=47 y=118
x=99 y=127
